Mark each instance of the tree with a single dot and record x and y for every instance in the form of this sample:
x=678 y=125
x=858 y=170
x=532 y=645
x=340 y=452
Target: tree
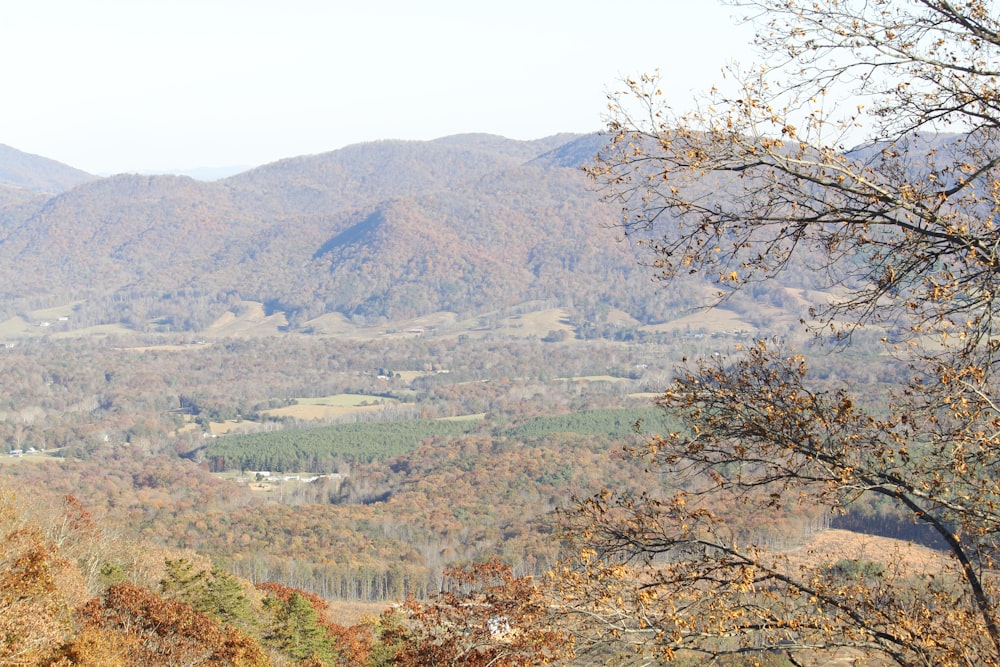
x=299 y=632
x=129 y=625
x=299 y=627
x=213 y=592
x=487 y=616
x=759 y=184
x=37 y=590
x=39 y=586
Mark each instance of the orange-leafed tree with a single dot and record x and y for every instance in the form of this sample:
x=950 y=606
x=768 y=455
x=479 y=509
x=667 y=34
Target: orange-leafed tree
x=38 y=589
x=486 y=616
x=863 y=157
x=129 y=625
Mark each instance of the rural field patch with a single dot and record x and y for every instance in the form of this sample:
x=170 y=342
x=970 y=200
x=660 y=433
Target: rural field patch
x=328 y=407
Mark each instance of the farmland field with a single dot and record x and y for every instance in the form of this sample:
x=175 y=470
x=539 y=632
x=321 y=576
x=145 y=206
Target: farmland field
x=331 y=407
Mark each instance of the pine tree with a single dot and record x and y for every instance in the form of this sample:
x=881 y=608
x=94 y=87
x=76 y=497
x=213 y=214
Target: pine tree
x=298 y=631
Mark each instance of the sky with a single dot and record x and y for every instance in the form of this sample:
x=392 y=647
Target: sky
x=112 y=86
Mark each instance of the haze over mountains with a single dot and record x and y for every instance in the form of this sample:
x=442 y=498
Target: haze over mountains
x=381 y=231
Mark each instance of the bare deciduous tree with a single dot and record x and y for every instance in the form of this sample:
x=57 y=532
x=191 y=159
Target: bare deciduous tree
x=900 y=230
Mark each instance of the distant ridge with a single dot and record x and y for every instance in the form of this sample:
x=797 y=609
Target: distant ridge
x=576 y=152
x=38 y=174
x=204 y=173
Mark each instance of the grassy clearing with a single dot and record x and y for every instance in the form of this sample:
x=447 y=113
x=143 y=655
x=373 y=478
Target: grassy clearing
x=479 y=416
x=18 y=327
x=346 y=400
x=314 y=412
x=54 y=313
x=54 y=322
x=595 y=378
x=331 y=407
x=29 y=459
x=331 y=324
x=539 y=323
x=410 y=376
x=99 y=330
x=15 y=327
x=651 y=395
x=535 y=324
x=308 y=409
x=251 y=322
x=832 y=545
x=229 y=426
x=717 y=319
x=167 y=347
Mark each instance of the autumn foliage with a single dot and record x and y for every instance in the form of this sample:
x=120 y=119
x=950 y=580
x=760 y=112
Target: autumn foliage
x=898 y=228
x=129 y=625
x=38 y=590
x=486 y=616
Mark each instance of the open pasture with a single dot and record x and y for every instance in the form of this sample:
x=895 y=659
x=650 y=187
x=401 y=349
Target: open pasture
x=330 y=407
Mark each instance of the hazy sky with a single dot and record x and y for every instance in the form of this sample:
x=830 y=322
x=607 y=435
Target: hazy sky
x=133 y=85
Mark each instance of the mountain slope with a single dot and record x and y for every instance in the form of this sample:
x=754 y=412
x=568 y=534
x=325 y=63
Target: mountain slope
x=37 y=174
x=380 y=231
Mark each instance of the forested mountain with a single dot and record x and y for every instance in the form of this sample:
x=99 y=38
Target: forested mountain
x=37 y=174
x=378 y=231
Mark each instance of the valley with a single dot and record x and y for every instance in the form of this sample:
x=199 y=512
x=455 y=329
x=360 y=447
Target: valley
x=352 y=373
x=432 y=441
x=714 y=386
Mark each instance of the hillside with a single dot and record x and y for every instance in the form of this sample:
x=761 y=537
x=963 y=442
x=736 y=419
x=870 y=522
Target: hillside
x=381 y=231
x=377 y=233
x=37 y=174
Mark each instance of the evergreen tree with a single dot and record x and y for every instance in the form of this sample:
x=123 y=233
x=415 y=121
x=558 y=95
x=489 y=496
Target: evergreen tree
x=215 y=593
x=298 y=631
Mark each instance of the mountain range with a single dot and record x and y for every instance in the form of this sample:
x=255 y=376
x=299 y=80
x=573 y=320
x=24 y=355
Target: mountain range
x=377 y=232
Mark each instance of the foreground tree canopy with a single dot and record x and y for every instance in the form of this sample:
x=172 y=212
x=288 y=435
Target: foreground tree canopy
x=900 y=230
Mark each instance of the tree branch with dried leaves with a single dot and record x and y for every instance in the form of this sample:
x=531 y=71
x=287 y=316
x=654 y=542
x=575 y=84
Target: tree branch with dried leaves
x=866 y=150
